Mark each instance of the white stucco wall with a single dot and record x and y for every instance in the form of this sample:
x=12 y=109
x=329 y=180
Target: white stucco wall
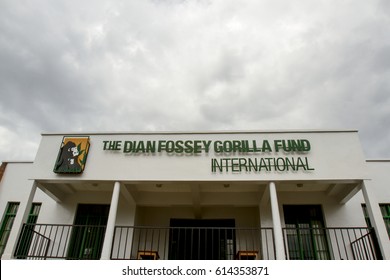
x=379 y=174
x=333 y=155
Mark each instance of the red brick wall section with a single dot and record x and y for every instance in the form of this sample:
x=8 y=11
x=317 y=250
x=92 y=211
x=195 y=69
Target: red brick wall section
x=2 y=169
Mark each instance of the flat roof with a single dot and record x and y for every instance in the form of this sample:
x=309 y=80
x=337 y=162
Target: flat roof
x=201 y=132
x=16 y=161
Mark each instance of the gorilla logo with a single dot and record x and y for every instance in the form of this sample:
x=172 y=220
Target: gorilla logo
x=71 y=158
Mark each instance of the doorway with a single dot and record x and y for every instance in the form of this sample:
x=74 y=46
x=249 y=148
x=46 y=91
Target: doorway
x=202 y=239
x=306 y=236
x=88 y=231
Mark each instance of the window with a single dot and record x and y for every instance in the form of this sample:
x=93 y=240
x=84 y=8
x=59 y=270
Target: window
x=33 y=215
x=26 y=237
x=385 y=209
x=306 y=236
x=7 y=223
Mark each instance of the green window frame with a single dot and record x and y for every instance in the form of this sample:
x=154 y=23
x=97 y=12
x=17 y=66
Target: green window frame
x=7 y=223
x=34 y=212
x=305 y=232
x=385 y=209
x=86 y=241
x=27 y=233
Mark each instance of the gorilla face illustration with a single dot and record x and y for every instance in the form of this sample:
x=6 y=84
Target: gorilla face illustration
x=68 y=161
x=74 y=150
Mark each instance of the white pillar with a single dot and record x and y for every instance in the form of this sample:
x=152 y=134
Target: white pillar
x=376 y=219
x=277 y=225
x=18 y=224
x=106 y=251
x=130 y=214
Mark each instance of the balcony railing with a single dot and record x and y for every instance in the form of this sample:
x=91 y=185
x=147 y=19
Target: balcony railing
x=49 y=241
x=192 y=243
x=314 y=243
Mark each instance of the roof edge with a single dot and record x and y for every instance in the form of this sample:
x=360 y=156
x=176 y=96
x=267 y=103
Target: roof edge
x=202 y=132
x=16 y=161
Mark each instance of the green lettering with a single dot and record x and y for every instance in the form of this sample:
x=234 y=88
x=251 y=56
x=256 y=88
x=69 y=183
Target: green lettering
x=188 y=147
x=305 y=145
x=151 y=146
x=236 y=146
x=294 y=145
x=307 y=164
x=290 y=163
x=206 y=145
x=242 y=163
x=227 y=146
x=280 y=166
x=128 y=146
x=264 y=165
x=218 y=147
x=179 y=146
x=140 y=147
x=300 y=164
x=277 y=145
x=266 y=146
x=253 y=165
x=235 y=165
x=197 y=146
x=170 y=146
x=161 y=146
x=255 y=149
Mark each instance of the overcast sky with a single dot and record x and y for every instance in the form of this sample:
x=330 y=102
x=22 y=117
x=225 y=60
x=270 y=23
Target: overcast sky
x=156 y=65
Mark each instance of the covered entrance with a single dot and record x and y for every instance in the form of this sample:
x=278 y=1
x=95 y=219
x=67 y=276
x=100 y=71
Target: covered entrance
x=202 y=239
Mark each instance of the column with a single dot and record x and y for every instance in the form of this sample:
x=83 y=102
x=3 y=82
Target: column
x=277 y=225
x=107 y=244
x=127 y=241
x=18 y=224
x=376 y=219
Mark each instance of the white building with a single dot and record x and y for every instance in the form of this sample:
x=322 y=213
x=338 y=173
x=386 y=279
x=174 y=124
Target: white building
x=197 y=195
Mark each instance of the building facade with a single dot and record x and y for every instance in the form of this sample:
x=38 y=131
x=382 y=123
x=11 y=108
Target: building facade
x=197 y=195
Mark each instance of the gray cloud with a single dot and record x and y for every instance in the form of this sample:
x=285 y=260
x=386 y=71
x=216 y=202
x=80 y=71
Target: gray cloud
x=192 y=65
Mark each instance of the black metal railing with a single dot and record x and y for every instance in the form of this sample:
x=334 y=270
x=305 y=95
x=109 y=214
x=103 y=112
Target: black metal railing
x=32 y=244
x=314 y=243
x=192 y=243
x=47 y=241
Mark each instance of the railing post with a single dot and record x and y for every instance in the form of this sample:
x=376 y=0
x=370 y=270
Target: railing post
x=107 y=244
x=277 y=225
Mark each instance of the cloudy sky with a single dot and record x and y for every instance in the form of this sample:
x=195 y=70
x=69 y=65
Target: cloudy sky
x=153 y=65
